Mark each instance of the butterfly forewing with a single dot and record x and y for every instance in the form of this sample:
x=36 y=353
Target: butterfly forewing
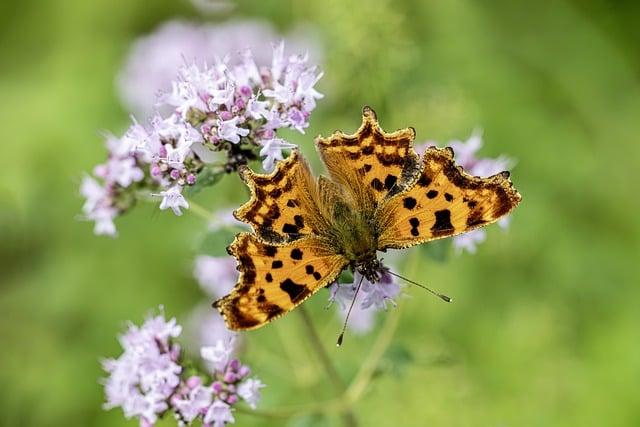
x=283 y=204
x=443 y=202
x=371 y=164
x=275 y=278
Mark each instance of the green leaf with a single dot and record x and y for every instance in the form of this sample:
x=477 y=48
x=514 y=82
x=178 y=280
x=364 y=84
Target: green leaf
x=206 y=178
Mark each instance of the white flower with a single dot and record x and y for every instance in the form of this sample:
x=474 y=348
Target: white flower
x=219 y=414
x=379 y=293
x=305 y=89
x=258 y=109
x=218 y=354
x=272 y=151
x=93 y=192
x=281 y=93
x=138 y=140
x=124 y=171
x=249 y=390
x=176 y=155
x=143 y=378
x=103 y=217
x=229 y=131
x=198 y=399
x=172 y=198
x=222 y=96
x=371 y=298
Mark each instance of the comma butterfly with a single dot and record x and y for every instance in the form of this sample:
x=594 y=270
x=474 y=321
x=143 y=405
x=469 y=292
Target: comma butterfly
x=379 y=195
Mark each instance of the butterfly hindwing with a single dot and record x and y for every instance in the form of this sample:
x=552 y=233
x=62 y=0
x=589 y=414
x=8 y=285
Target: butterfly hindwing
x=371 y=164
x=275 y=278
x=444 y=201
x=282 y=205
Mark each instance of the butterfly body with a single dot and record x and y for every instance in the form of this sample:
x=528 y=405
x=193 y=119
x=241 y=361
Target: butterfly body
x=378 y=196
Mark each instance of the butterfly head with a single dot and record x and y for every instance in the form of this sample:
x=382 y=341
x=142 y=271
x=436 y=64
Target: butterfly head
x=371 y=268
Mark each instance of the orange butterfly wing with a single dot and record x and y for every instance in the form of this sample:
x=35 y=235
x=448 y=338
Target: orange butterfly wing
x=371 y=164
x=445 y=201
x=283 y=204
x=276 y=277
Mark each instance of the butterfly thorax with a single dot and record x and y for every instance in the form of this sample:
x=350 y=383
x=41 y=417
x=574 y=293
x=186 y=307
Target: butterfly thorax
x=355 y=236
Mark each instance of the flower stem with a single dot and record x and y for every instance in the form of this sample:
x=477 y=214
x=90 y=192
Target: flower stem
x=348 y=416
x=369 y=366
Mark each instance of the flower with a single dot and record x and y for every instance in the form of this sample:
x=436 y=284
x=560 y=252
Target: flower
x=272 y=152
x=124 y=171
x=466 y=155
x=218 y=354
x=229 y=131
x=147 y=381
x=205 y=327
x=378 y=294
x=143 y=378
x=371 y=298
x=189 y=407
x=250 y=391
x=219 y=414
x=224 y=107
x=172 y=198
x=154 y=60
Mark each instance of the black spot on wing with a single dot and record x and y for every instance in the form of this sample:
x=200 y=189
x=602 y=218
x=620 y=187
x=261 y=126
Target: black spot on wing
x=294 y=290
x=276 y=264
x=290 y=228
x=390 y=181
x=415 y=223
x=424 y=181
x=442 y=225
x=432 y=194
x=377 y=185
x=296 y=254
x=409 y=202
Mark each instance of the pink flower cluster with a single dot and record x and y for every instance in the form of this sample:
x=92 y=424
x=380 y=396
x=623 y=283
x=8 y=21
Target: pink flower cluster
x=147 y=380
x=221 y=116
x=466 y=155
x=371 y=298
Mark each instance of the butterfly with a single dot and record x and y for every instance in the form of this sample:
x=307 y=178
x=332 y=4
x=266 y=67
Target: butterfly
x=379 y=195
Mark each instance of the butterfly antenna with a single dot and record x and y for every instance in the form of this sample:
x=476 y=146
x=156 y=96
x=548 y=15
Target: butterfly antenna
x=443 y=297
x=344 y=326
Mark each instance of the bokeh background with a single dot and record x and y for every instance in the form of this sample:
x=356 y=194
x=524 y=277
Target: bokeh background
x=544 y=328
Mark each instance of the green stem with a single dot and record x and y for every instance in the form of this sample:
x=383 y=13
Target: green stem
x=364 y=376
x=348 y=416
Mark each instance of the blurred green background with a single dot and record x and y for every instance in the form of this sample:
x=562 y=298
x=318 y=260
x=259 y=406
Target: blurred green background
x=544 y=328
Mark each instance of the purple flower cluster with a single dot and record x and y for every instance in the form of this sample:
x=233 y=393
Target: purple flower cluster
x=147 y=380
x=213 y=402
x=466 y=155
x=154 y=59
x=371 y=298
x=231 y=108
